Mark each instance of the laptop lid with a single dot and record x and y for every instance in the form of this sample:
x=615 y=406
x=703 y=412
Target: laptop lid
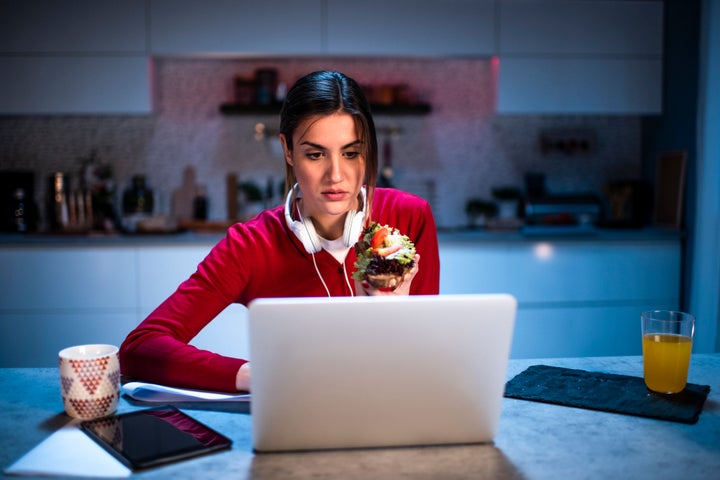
x=378 y=371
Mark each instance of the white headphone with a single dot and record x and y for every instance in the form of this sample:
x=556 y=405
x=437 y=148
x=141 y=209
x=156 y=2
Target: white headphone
x=304 y=229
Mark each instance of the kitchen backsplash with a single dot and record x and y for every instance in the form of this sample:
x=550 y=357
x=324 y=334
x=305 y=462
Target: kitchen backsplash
x=458 y=151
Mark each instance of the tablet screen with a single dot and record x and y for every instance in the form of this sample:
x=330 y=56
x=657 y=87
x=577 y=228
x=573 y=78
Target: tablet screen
x=153 y=436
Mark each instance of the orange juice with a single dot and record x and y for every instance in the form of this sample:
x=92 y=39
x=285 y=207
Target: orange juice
x=666 y=359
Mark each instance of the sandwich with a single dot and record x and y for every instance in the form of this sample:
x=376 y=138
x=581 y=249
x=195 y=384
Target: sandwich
x=384 y=256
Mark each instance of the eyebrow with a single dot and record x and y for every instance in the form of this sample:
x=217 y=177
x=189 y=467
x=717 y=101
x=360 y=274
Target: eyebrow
x=320 y=147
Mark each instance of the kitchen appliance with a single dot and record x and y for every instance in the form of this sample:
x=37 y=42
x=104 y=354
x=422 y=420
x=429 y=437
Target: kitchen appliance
x=563 y=210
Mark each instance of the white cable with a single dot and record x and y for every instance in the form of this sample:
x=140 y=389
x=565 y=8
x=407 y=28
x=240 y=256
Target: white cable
x=347 y=280
x=321 y=277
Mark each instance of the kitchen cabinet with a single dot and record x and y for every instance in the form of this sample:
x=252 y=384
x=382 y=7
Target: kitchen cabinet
x=80 y=26
x=575 y=298
x=235 y=27
x=411 y=27
x=37 y=85
x=162 y=269
x=81 y=57
x=580 y=56
x=54 y=297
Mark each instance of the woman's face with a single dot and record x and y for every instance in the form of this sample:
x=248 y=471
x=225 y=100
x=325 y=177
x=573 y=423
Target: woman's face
x=329 y=165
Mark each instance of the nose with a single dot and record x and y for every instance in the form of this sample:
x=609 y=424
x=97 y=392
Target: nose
x=335 y=168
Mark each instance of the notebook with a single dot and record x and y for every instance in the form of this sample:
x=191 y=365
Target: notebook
x=378 y=371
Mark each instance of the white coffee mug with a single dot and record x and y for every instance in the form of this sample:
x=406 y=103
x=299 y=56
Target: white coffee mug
x=90 y=380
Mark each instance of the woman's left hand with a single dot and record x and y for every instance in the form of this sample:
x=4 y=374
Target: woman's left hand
x=365 y=289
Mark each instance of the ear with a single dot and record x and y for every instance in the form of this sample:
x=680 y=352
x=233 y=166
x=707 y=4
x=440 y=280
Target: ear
x=286 y=151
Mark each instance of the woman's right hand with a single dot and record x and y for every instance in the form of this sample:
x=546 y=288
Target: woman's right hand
x=365 y=289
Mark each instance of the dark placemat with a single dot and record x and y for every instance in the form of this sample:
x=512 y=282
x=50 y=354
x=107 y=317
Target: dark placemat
x=606 y=392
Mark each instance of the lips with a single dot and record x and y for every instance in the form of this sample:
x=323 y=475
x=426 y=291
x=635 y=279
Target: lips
x=334 y=195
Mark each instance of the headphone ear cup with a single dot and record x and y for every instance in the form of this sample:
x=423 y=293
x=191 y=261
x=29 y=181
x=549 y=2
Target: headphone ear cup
x=304 y=230
x=354 y=224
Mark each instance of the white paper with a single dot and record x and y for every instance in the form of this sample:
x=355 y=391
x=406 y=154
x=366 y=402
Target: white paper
x=69 y=452
x=151 y=392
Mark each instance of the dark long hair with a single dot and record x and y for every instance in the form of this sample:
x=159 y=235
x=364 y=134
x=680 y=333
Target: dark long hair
x=325 y=93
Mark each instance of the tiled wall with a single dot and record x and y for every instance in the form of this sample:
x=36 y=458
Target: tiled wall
x=461 y=150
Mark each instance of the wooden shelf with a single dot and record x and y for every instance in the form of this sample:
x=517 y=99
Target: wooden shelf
x=274 y=109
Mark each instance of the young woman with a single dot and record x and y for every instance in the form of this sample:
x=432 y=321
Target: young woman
x=302 y=248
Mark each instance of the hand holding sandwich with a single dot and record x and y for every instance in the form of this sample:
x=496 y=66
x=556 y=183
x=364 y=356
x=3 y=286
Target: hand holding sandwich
x=386 y=262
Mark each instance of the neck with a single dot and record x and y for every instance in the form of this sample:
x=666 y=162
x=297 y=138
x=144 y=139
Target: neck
x=329 y=227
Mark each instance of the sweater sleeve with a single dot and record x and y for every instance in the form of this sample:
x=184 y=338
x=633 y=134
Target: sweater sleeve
x=158 y=350
x=427 y=280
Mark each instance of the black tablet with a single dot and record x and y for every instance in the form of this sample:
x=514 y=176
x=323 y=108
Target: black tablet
x=150 y=437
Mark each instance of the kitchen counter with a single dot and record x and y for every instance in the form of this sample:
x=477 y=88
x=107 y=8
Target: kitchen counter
x=453 y=235
x=534 y=441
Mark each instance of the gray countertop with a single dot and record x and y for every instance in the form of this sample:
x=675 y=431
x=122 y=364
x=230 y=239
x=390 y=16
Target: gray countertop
x=444 y=236
x=535 y=440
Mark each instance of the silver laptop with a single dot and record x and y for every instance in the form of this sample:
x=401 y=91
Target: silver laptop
x=378 y=371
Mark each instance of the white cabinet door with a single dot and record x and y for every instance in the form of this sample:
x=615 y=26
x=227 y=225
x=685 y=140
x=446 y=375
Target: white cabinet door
x=580 y=86
x=162 y=269
x=235 y=26
x=411 y=27
x=57 y=279
x=78 y=26
x=580 y=27
x=580 y=57
x=34 y=339
x=79 y=57
x=574 y=298
x=548 y=273
x=39 y=85
x=587 y=331
x=57 y=297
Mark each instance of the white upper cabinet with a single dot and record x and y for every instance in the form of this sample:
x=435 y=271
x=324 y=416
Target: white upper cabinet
x=411 y=27
x=580 y=56
x=79 y=26
x=235 y=27
x=78 y=57
x=580 y=85
x=614 y=27
x=75 y=85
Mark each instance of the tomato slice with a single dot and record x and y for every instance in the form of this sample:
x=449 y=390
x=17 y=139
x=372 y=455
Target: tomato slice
x=379 y=238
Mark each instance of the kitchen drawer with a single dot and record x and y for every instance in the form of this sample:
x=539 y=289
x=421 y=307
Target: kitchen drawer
x=34 y=339
x=564 y=272
x=588 y=331
x=162 y=269
x=56 y=279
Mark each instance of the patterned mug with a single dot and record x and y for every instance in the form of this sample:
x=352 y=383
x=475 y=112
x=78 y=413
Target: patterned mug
x=90 y=380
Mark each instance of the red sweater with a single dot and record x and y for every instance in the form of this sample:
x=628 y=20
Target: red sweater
x=259 y=258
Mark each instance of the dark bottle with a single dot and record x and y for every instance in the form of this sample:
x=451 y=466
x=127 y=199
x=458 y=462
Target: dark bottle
x=138 y=198
x=200 y=205
x=20 y=211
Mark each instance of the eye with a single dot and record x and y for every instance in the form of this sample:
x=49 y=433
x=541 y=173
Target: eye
x=351 y=154
x=314 y=155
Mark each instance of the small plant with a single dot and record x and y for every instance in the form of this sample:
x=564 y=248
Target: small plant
x=252 y=191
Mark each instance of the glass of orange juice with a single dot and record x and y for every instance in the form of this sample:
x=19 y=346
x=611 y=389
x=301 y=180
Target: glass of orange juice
x=666 y=345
